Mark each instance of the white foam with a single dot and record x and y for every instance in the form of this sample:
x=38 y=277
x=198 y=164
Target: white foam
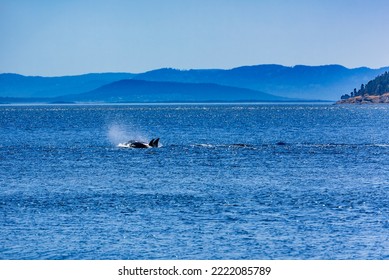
x=124 y=145
x=120 y=134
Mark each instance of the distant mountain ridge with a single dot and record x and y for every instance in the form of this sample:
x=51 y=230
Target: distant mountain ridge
x=325 y=82
x=131 y=90
x=18 y=86
x=309 y=82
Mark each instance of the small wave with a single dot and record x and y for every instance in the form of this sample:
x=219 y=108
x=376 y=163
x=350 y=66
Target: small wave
x=333 y=145
x=234 y=145
x=204 y=145
x=381 y=145
x=241 y=145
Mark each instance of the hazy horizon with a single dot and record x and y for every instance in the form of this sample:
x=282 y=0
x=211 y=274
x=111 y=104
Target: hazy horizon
x=58 y=38
x=200 y=69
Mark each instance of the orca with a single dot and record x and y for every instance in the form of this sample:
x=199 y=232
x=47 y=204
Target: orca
x=142 y=145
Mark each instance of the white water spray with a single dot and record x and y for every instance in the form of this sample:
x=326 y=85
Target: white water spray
x=119 y=134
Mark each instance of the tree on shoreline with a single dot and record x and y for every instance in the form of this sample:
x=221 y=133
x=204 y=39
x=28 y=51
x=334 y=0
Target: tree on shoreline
x=377 y=86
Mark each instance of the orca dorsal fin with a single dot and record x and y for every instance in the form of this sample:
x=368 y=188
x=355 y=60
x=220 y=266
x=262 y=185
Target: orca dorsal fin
x=155 y=143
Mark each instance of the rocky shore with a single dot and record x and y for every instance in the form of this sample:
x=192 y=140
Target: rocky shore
x=366 y=99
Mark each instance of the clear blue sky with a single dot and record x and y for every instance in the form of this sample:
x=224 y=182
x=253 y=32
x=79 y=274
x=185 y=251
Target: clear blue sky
x=54 y=37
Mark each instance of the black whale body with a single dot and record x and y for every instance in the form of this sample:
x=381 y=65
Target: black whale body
x=142 y=145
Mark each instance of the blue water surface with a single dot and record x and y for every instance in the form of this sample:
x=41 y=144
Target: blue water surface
x=230 y=181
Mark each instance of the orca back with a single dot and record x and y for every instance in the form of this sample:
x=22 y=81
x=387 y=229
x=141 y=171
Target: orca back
x=139 y=145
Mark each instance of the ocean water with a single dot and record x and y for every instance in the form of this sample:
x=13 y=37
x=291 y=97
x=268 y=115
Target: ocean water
x=230 y=181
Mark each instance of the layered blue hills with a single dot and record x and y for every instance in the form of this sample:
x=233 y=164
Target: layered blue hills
x=246 y=83
x=304 y=82
x=132 y=90
x=19 y=86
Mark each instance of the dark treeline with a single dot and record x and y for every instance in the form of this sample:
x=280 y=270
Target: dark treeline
x=378 y=86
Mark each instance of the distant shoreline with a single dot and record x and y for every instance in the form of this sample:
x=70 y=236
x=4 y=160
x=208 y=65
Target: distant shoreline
x=366 y=99
x=164 y=103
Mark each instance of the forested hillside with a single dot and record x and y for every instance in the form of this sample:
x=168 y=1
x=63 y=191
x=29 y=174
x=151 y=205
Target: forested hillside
x=375 y=91
x=377 y=86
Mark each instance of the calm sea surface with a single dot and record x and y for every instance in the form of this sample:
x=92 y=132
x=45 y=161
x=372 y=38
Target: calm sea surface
x=242 y=181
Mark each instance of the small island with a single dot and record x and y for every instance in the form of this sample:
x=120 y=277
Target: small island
x=374 y=92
